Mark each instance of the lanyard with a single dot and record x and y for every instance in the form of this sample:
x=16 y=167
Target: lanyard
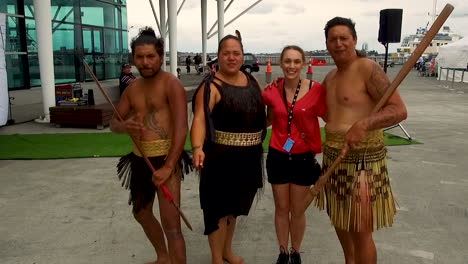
x=290 y=113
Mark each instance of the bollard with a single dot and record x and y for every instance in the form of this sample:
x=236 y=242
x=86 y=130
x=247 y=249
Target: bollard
x=310 y=72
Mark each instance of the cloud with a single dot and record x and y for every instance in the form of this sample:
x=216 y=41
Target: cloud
x=370 y=13
x=458 y=14
x=292 y=9
x=272 y=24
x=263 y=8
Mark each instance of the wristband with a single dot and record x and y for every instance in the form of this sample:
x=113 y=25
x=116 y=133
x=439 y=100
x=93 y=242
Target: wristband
x=195 y=147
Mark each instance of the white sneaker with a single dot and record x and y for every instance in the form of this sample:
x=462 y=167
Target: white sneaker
x=42 y=120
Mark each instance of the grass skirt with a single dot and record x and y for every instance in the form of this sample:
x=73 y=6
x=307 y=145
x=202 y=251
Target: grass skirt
x=341 y=193
x=135 y=175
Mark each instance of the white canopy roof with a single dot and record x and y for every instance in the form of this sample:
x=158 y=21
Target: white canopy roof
x=454 y=55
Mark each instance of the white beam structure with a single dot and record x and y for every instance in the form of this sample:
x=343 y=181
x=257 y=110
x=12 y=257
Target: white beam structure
x=220 y=19
x=204 y=35
x=155 y=16
x=216 y=22
x=172 y=15
x=232 y=20
x=178 y=11
x=162 y=15
x=42 y=9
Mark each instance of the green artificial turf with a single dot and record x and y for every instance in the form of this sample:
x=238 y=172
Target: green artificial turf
x=85 y=145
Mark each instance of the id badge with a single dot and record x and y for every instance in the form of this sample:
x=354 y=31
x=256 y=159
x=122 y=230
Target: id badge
x=288 y=145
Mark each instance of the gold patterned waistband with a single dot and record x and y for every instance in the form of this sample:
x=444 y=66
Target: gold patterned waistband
x=238 y=139
x=153 y=148
x=336 y=139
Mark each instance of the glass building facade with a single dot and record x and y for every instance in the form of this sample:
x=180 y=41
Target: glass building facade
x=94 y=30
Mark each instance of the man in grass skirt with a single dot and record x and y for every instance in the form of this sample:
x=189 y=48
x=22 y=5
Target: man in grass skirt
x=358 y=195
x=155 y=111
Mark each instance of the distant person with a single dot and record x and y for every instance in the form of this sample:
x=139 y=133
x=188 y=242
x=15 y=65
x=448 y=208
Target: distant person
x=155 y=111
x=197 y=61
x=293 y=106
x=419 y=63
x=359 y=198
x=126 y=77
x=208 y=58
x=188 y=62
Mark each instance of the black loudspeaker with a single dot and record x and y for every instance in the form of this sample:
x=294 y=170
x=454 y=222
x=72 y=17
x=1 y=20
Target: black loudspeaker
x=390 y=25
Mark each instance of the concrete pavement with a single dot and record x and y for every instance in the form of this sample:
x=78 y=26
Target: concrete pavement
x=74 y=210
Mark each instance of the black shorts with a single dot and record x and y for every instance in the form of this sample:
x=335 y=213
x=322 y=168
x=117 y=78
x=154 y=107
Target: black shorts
x=300 y=169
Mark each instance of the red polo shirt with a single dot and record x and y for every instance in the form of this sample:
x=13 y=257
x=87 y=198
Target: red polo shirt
x=306 y=111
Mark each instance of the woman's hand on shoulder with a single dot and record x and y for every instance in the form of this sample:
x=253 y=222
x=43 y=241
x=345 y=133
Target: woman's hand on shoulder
x=274 y=83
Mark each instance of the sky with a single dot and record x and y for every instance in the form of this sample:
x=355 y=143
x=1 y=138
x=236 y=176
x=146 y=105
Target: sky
x=273 y=24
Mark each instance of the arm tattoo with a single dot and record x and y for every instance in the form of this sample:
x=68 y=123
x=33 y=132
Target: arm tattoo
x=388 y=116
x=153 y=124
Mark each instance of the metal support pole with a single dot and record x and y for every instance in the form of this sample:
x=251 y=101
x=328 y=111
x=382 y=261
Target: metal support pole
x=402 y=128
x=204 y=12
x=155 y=16
x=453 y=77
x=43 y=18
x=220 y=20
x=216 y=22
x=386 y=57
x=162 y=14
x=172 y=15
x=178 y=11
x=232 y=20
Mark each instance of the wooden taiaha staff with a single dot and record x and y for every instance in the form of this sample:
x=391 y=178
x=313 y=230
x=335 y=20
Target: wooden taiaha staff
x=163 y=187
x=315 y=190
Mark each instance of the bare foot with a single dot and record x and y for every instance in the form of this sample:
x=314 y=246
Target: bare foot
x=160 y=261
x=231 y=258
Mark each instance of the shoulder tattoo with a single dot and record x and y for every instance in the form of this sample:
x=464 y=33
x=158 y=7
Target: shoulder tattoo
x=378 y=81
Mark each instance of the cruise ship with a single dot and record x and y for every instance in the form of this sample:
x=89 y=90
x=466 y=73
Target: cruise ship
x=444 y=37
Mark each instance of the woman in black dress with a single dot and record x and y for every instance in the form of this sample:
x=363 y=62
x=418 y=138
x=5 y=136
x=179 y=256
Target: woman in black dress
x=227 y=133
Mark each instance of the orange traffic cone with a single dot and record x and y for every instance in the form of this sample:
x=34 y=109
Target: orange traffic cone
x=268 y=71
x=310 y=71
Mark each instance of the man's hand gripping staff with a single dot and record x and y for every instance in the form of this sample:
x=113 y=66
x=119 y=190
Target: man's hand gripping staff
x=165 y=190
x=315 y=190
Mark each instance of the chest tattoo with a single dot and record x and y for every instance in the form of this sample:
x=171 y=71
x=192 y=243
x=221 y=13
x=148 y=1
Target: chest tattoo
x=154 y=125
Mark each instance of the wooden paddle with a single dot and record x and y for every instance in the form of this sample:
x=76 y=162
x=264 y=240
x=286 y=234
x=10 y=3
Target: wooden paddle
x=163 y=187
x=315 y=190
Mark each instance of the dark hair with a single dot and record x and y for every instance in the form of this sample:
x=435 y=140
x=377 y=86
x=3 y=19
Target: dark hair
x=340 y=21
x=293 y=47
x=146 y=36
x=238 y=38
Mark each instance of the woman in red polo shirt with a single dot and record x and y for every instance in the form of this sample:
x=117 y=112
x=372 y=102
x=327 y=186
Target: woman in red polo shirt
x=294 y=105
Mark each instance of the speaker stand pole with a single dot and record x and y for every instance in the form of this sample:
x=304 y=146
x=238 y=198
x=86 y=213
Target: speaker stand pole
x=402 y=128
x=386 y=57
x=385 y=70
